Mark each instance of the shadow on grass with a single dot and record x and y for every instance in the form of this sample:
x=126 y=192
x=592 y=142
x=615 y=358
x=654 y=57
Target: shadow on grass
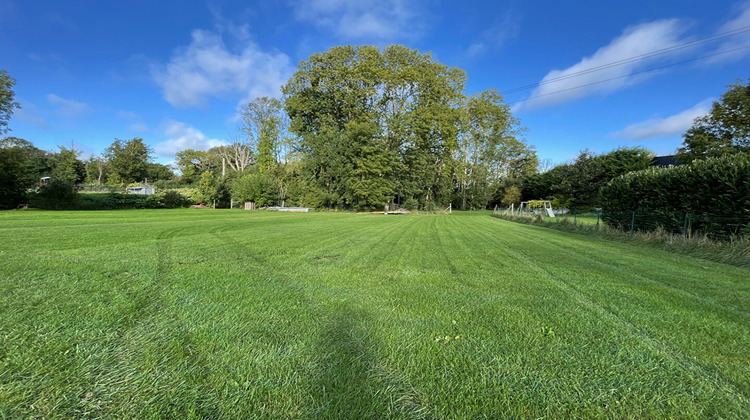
x=344 y=386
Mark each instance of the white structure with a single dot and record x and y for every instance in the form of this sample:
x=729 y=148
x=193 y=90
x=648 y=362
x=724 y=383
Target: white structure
x=142 y=190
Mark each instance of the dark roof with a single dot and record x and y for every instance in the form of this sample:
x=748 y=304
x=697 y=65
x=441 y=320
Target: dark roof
x=664 y=161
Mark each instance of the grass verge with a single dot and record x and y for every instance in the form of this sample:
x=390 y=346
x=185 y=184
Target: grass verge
x=734 y=251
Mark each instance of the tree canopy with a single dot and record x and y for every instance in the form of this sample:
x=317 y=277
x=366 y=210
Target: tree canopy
x=128 y=160
x=380 y=126
x=726 y=128
x=7 y=100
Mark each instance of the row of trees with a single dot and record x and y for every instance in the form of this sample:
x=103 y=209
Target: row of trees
x=23 y=165
x=363 y=127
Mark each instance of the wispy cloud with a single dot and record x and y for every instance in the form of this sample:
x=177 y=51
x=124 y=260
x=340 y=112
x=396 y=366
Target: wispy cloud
x=207 y=67
x=505 y=28
x=67 y=107
x=138 y=128
x=181 y=136
x=742 y=39
x=30 y=114
x=665 y=127
x=127 y=115
x=363 y=19
x=560 y=86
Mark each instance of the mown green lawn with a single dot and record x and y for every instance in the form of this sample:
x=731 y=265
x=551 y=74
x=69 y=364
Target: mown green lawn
x=233 y=314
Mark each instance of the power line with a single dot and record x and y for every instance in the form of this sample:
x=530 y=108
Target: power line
x=631 y=74
x=633 y=59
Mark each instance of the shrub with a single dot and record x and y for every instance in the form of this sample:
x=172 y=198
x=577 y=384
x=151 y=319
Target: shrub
x=56 y=195
x=411 y=204
x=173 y=200
x=715 y=192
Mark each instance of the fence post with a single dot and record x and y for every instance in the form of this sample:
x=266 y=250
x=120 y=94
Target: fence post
x=575 y=219
x=598 y=214
x=632 y=223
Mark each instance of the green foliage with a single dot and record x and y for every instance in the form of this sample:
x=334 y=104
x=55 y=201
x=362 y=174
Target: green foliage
x=15 y=177
x=725 y=130
x=193 y=163
x=66 y=167
x=212 y=189
x=128 y=160
x=7 y=100
x=489 y=152
x=173 y=200
x=375 y=125
x=263 y=119
x=511 y=195
x=97 y=170
x=56 y=195
x=258 y=187
x=158 y=172
x=714 y=191
x=576 y=185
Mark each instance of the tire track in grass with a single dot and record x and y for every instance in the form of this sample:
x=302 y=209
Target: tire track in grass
x=659 y=346
x=151 y=349
x=337 y=338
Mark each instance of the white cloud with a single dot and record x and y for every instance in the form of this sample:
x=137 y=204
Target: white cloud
x=665 y=127
x=560 y=86
x=207 y=67
x=370 y=19
x=181 y=136
x=67 y=107
x=742 y=39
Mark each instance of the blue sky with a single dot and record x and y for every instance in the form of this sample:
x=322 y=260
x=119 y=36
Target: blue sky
x=175 y=72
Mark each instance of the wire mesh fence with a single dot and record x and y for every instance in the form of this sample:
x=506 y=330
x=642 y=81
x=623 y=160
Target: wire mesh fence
x=714 y=225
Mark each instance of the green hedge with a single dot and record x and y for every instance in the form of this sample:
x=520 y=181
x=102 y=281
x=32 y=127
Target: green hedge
x=50 y=198
x=715 y=193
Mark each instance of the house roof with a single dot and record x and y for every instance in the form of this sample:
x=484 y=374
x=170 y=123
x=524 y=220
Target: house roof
x=664 y=161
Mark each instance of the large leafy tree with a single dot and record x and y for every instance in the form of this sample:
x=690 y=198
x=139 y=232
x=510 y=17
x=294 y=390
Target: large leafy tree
x=375 y=125
x=7 y=100
x=726 y=128
x=14 y=176
x=192 y=163
x=128 y=160
x=66 y=167
x=264 y=122
x=490 y=153
x=21 y=166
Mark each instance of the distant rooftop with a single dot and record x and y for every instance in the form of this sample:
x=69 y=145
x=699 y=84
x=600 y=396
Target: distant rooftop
x=664 y=161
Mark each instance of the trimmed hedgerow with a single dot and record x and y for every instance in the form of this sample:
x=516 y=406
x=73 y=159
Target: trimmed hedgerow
x=714 y=193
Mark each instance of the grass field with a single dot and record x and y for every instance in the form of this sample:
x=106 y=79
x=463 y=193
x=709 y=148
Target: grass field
x=233 y=314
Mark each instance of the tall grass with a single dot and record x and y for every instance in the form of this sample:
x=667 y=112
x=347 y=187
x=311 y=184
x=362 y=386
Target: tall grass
x=734 y=250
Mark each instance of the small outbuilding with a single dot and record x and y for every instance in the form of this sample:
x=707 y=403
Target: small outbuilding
x=142 y=190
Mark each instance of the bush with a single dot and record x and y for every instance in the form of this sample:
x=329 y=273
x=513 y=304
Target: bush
x=715 y=192
x=173 y=200
x=411 y=204
x=56 y=195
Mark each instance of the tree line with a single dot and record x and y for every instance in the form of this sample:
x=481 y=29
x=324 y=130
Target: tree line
x=360 y=127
